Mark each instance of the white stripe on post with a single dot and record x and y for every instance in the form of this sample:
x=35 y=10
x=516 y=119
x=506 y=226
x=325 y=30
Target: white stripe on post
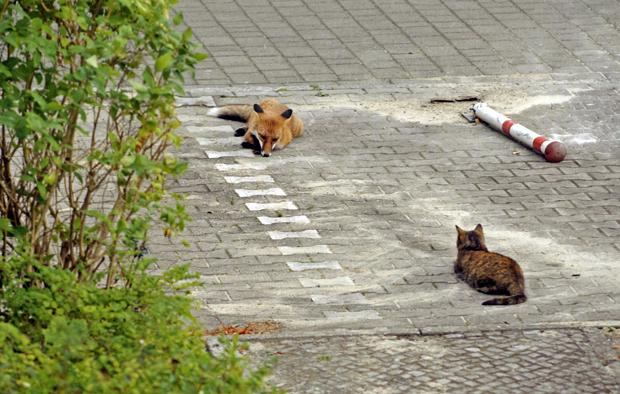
x=553 y=151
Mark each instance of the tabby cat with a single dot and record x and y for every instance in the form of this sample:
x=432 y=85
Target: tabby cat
x=488 y=272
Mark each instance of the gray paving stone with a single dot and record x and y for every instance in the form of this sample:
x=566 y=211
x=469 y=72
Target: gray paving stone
x=516 y=39
x=523 y=362
x=383 y=176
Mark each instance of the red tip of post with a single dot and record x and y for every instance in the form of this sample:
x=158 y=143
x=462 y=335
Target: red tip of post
x=555 y=152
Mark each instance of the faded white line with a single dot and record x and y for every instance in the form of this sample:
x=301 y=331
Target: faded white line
x=191 y=118
x=339 y=281
x=268 y=220
x=229 y=153
x=274 y=191
x=316 y=249
x=324 y=265
x=294 y=234
x=240 y=167
x=359 y=315
x=210 y=129
x=249 y=179
x=339 y=299
x=206 y=101
x=218 y=141
x=274 y=206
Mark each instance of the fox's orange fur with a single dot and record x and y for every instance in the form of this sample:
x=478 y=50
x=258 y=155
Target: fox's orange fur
x=269 y=125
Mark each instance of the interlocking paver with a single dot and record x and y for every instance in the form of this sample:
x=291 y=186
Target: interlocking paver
x=571 y=361
x=256 y=43
x=383 y=176
x=385 y=198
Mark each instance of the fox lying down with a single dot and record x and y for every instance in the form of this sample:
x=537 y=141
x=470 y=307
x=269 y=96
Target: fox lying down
x=269 y=125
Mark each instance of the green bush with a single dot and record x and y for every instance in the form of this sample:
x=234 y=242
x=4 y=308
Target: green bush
x=87 y=116
x=73 y=337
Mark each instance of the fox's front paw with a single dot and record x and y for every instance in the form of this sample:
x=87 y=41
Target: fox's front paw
x=241 y=132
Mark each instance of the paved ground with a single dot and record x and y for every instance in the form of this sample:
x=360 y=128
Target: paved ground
x=361 y=243
x=289 y=41
x=513 y=362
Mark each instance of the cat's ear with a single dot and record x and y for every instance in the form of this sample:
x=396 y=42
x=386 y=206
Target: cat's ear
x=478 y=228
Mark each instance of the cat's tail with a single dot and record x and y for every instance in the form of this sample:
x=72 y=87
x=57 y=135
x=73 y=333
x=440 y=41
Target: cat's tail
x=511 y=300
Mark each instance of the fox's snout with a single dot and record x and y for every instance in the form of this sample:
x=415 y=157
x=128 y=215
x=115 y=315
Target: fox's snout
x=267 y=147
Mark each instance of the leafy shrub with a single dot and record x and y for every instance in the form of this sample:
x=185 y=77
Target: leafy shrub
x=73 y=337
x=87 y=116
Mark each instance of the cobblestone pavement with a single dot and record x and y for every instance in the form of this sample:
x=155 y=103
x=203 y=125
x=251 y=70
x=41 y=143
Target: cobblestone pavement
x=349 y=231
x=373 y=201
x=559 y=361
x=288 y=41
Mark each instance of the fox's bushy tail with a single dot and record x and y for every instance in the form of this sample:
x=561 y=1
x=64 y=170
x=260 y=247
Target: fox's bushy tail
x=510 y=300
x=239 y=113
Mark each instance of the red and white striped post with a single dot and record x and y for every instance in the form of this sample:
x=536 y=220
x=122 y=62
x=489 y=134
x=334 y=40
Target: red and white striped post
x=554 y=151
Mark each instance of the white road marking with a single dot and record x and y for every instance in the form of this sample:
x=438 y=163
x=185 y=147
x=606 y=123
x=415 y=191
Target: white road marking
x=339 y=299
x=339 y=281
x=293 y=234
x=324 y=265
x=274 y=191
x=210 y=129
x=274 y=206
x=316 y=249
x=229 y=153
x=218 y=141
x=191 y=118
x=268 y=220
x=249 y=179
x=239 y=167
x=207 y=101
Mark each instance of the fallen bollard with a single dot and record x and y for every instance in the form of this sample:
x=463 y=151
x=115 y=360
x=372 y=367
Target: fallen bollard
x=553 y=151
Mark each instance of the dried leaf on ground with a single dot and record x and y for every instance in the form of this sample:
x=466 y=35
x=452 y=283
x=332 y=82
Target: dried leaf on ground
x=261 y=327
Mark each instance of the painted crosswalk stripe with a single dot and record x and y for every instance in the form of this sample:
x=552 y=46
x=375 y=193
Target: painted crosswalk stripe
x=210 y=129
x=206 y=101
x=293 y=234
x=339 y=281
x=229 y=153
x=218 y=141
x=268 y=220
x=324 y=265
x=249 y=179
x=274 y=191
x=240 y=167
x=273 y=206
x=316 y=249
x=191 y=118
x=339 y=299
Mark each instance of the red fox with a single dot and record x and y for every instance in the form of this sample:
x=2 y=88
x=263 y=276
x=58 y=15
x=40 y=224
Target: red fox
x=269 y=125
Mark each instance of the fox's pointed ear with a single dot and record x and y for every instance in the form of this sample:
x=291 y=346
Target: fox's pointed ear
x=478 y=228
x=258 y=109
x=287 y=114
x=458 y=229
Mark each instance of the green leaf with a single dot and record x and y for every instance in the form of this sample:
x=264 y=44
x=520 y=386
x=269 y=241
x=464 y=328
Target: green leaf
x=187 y=34
x=92 y=61
x=200 y=56
x=5 y=224
x=178 y=18
x=163 y=61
